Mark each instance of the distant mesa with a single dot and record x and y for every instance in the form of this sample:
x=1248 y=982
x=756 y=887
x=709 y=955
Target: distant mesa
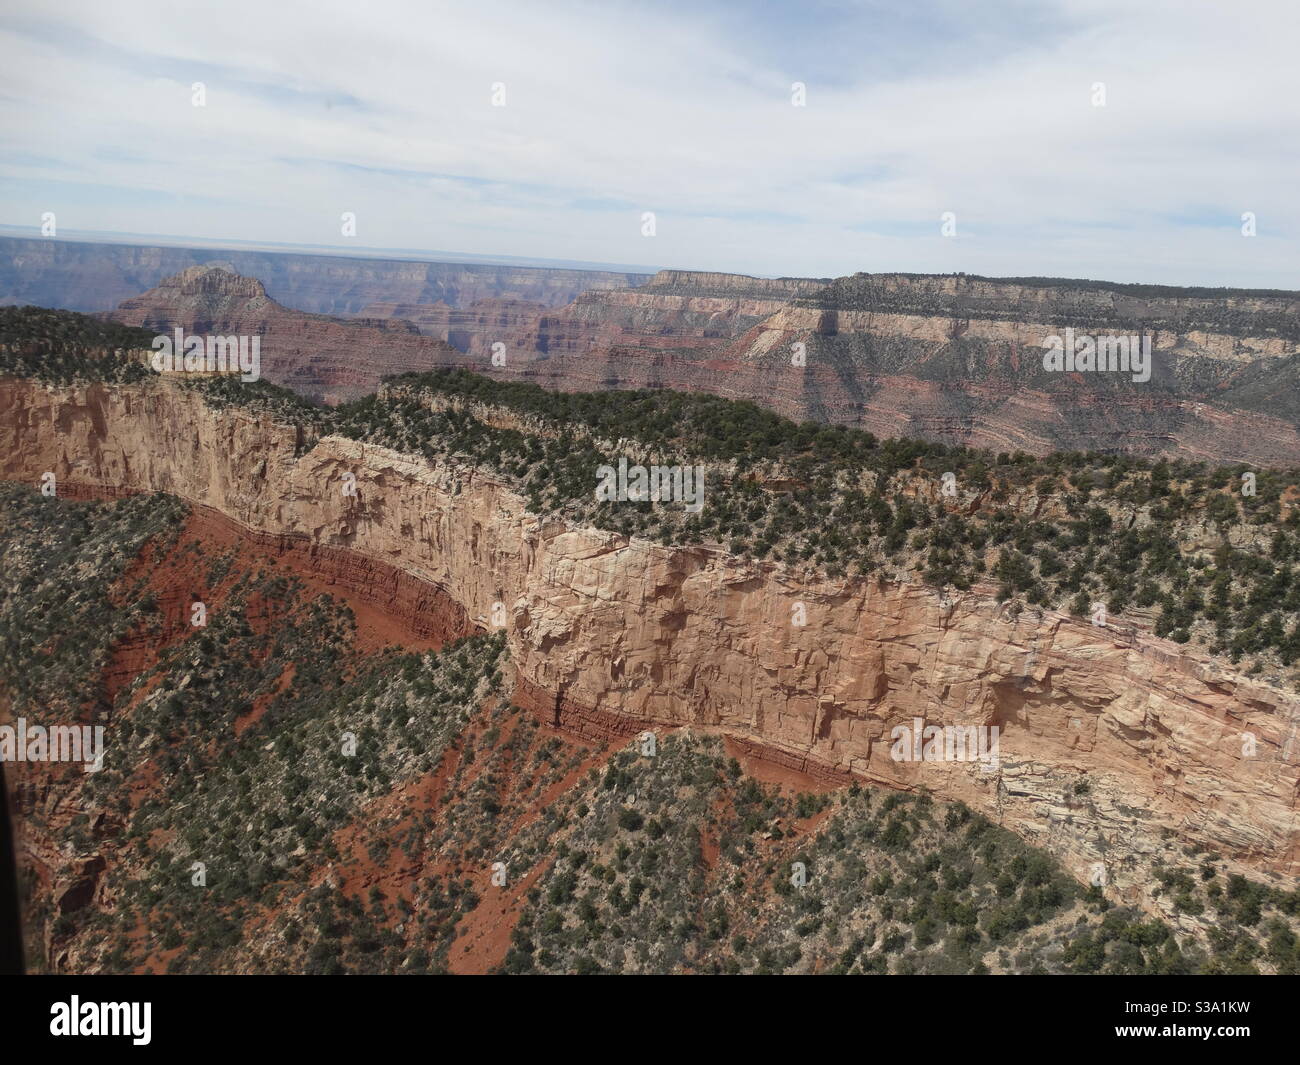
x=955 y=359
x=324 y=358
x=952 y=358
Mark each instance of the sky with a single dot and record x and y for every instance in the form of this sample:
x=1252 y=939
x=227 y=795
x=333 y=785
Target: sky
x=550 y=130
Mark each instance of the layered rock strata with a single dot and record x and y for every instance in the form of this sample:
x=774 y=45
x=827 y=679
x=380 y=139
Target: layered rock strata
x=325 y=359
x=953 y=359
x=1115 y=746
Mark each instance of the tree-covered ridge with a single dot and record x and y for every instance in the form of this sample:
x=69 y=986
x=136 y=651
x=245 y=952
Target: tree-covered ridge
x=57 y=563
x=1184 y=548
x=63 y=346
x=1196 y=552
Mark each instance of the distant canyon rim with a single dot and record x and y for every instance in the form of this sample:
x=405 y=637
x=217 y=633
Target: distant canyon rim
x=948 y=358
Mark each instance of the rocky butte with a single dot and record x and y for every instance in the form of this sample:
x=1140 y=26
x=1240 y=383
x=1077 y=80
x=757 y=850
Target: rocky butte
x=326 y=359
x=609 y=634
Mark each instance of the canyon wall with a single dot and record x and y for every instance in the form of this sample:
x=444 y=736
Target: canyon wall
x=947 y=358
x=88 y=276
x=953 y=359
x=325 y=359
x=1116 y=747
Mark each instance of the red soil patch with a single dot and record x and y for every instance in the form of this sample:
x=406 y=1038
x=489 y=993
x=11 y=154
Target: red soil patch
x=709 y=848
x=485 y=932
x=178 y=577
x=263 y=702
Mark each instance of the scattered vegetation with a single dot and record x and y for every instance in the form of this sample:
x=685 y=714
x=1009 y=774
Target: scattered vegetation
x=1190 y=550
x=63 y=347
x=349 y=810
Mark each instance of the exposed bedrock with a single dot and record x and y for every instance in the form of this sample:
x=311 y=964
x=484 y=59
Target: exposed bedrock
x=1115 y=746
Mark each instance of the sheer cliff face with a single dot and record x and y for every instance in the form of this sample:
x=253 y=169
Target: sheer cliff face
x=690 y=312
x=325 y=359
x=611 y=635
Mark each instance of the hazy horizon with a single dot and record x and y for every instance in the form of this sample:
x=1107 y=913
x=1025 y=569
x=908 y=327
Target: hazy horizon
x=1073 y=138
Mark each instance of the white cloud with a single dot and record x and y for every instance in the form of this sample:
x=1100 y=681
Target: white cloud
x=316 y=108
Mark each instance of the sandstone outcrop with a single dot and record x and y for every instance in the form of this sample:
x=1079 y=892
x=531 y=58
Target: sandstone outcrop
x=1115 y=746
